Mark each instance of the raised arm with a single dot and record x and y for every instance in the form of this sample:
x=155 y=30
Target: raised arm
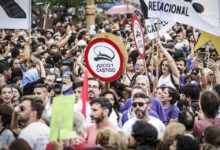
x=173 y=67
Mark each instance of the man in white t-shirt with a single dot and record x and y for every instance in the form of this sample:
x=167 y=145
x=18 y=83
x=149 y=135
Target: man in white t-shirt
x=141 y=105
x=35 y=132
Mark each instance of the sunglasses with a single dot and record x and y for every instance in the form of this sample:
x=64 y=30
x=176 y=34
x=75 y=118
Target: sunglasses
x=22 y=108
x=134 y=104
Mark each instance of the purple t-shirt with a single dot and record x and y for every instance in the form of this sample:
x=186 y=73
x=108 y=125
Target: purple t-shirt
x=124 y=117
x=174 y=114
x=155 y=106
x=182 y=79
x=68 y=92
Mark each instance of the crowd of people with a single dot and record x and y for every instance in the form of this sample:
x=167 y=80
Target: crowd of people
x=180 y=112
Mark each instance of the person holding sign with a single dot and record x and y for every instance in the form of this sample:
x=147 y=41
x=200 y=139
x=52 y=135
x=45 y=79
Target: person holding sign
x=168 y=70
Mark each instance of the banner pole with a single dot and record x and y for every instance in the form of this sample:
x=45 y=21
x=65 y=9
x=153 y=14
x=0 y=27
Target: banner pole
x=145 y=68
x=158 y=57
x=107 y=86
x=152 y=62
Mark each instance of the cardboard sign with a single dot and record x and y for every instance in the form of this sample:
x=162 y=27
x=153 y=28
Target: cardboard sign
x=62 y=118
x=138 y=36
x=104 y=59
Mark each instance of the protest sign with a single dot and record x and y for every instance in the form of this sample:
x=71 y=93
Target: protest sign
x=187 y=13
x=138 y=36
x=106 y=57
x=62 y=118
x=15 y=14
x=151 y=23
x=164 y=26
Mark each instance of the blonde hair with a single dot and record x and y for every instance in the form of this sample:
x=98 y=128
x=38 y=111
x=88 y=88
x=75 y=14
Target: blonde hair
x=119 y=140
x=109 y=138
x=103 y=136
x=172 y=130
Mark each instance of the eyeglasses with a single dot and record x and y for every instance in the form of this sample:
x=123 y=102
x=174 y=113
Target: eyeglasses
x=23 y=108
x=66 y=77
x=93 y=87
x=138 y=65
x=212 y=55
x=134 y=104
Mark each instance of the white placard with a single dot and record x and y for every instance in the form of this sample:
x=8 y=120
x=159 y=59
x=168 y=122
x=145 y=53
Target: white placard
x=15 y=14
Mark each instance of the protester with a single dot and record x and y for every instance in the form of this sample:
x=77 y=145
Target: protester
x=169 y=98
x=146 y=138
x=6 y=136
x=100 y=111
x=50 y=61
x=209 y=103
x=141 y=106
x=19 y=144
x=34 y=132
x=184 y=143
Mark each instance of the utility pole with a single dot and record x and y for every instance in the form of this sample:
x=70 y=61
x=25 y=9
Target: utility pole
x=90 y=14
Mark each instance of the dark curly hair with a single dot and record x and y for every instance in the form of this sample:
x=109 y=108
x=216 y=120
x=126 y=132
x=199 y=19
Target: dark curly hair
x=6 y=114
x=145 y=133
x=174 y=94
x=186 y=143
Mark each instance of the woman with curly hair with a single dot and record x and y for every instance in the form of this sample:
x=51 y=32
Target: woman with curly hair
x=168 y=99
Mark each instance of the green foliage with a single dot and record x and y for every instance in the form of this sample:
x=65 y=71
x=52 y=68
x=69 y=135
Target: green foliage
x=100 y=18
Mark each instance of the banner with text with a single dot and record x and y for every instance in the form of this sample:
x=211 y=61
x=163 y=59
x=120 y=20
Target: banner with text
x=151 y=23
x=15 y=14
x=202 y=14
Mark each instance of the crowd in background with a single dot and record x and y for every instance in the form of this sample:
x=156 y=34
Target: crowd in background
x=180 y=112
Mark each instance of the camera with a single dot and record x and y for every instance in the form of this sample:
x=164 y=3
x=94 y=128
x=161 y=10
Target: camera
x=67 y=62
x=58 y=87
x=195 y=106
x=53 y=59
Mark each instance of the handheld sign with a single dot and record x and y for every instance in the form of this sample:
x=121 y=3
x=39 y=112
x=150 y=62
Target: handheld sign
x=104 y=59
x=62 y=121
x=138 y=36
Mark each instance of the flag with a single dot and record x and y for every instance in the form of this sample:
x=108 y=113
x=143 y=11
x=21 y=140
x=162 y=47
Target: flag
x=15 y=14
x=85 y=93
x=201 y=14
x=151 y=23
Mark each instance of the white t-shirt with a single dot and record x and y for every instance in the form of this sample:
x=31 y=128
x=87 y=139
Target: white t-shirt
x=127 y=127
x=166 y=81
x=36 y=134
x=78 y=107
